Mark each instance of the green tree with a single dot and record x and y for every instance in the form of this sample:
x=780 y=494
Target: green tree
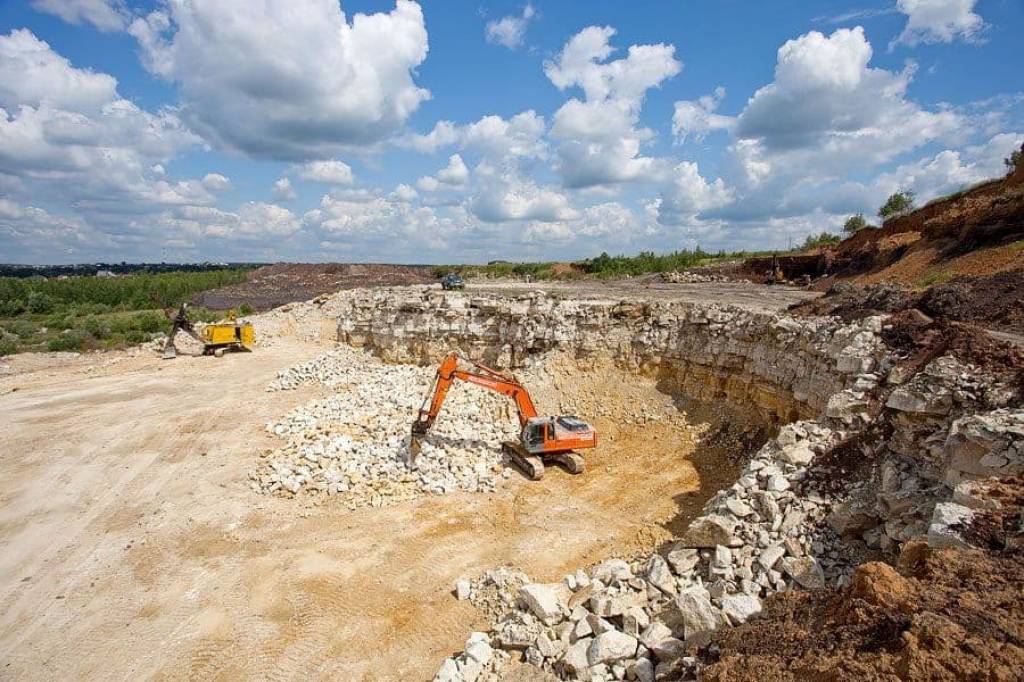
x=815 y=241
x=1015 y=160
x=896 y=205
x=854 y=224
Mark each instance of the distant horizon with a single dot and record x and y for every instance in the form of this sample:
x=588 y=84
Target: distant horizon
x=394 y=132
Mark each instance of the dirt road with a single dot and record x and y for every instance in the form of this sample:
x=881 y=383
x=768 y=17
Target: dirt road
x=743 y=294
x=131 y=546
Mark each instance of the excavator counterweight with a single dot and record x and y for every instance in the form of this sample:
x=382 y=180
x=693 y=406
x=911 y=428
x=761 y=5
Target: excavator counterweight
x=540 y=437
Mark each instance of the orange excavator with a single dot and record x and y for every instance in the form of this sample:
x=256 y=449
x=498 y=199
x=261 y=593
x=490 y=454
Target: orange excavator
x=541 y=438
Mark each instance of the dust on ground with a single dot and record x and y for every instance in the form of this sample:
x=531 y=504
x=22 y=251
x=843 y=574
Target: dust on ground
x=134 y=548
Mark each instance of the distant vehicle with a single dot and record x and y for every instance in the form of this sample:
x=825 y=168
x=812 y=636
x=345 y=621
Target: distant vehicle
x=452 y=281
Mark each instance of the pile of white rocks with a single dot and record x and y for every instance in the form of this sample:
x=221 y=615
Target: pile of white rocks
x=636 y=619
x=355 y=442
x=689 y=277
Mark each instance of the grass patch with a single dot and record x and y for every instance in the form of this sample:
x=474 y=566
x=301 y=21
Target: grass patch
x=86 y=313
x=940 y=277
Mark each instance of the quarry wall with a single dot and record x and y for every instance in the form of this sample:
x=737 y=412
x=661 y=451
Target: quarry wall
x=784 y=368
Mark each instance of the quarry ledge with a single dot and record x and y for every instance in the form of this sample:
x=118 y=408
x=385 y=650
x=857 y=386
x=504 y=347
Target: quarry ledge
x=781 y=367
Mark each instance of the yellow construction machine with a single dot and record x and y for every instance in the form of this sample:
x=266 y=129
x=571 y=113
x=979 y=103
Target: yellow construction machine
x=217 y=338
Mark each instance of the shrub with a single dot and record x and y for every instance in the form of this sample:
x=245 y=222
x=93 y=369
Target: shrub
x=8 y=346
x=96 y=327
x=854 y=224
x=136 y=336
x=66 y=341
x=38 y=302
x=1014 y=161
x=23 y=328
x=141 y=291
x=897 y=204
x=59 y=321
x=245 y=309
x=151 y=323
x=12 y=307
x=824 y=239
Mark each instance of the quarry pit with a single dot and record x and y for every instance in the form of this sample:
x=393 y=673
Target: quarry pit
x=254 y=516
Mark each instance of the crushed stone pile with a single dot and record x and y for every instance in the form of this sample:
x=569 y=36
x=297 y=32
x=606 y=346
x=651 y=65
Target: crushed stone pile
x=354 y=443
x=637 y=619
x=688 y=277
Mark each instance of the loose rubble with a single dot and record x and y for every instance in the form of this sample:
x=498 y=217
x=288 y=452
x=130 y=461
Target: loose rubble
x=354 y=443
x=635 y=619
x=689 y=277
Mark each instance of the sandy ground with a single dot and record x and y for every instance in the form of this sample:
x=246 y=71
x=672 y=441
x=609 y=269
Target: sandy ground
x=132 y=547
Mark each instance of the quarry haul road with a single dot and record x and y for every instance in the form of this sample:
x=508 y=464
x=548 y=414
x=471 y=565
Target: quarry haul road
x=757 y=297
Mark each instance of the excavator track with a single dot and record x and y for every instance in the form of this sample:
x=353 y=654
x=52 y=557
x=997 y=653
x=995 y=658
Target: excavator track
x=529 y=464
x=573 y=462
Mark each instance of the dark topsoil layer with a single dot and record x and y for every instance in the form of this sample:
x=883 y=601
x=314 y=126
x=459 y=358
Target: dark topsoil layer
x=274 y=285
x=939 y=615
x=944 y=615
x=995 y=301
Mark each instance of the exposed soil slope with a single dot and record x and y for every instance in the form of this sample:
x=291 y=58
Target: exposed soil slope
x=946 y=615
x=993 y=301
x=976 y=232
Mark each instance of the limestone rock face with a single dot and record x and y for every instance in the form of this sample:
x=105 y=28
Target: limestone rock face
x=611 y=646
x=709 y=531
x=698 y=614
x=768 y=361
x=948 y=520
x=988 y=444
x=544 y=601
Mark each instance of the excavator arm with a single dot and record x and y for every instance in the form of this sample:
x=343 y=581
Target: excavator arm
x=482 y=376
x=540 y=439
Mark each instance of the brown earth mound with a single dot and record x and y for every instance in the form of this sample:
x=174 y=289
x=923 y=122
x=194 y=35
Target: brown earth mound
x=970 y=232
x=993 y=301
x=274 y=285
x=945 y=615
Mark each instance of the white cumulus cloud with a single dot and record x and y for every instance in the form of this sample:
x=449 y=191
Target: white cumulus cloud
x=215 y=182
x=106 y=15
x=283 y=190
x=509 y=197
x=509 y=31
x=454 y=175
x=330 y=172
x=288 y=79
x=829 y=110
x=697 y=118
x=939 y=21
x=599 y=140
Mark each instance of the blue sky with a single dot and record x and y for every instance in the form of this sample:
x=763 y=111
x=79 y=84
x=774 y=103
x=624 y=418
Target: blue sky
x=446 y=131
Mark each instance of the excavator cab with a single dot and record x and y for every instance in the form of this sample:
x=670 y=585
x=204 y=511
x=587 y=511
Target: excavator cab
x=555 y=434
x=541 y=437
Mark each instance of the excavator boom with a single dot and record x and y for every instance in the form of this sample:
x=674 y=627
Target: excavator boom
x=540 y=437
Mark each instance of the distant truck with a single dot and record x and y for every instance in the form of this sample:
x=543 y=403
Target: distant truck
x=452 y=281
